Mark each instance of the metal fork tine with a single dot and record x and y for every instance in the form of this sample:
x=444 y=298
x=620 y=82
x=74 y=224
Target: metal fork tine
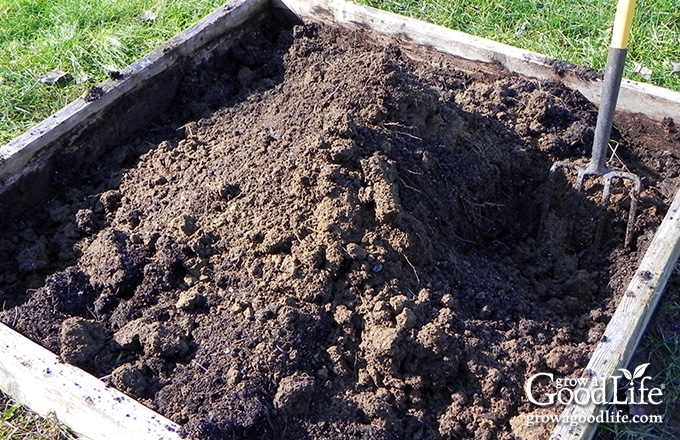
x=607 y=188
x=612 y=83
x=580 y=179
x=582 y=173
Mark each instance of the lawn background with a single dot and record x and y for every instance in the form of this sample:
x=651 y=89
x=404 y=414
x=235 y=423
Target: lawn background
x=88 y=39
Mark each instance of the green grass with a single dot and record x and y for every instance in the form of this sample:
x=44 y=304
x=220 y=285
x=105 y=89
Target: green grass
x=17 y=423
x=661 y=344
x=84 y=38
x=578 y=32
x=88 y=38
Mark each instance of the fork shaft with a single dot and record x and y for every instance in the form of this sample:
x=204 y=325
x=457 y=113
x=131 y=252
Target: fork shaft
x=605 y=117
x=613 y=74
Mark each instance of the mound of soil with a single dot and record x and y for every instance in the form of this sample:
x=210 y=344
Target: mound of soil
x=332 y=235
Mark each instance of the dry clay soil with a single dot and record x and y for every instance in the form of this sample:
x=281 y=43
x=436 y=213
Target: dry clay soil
x=334 y=236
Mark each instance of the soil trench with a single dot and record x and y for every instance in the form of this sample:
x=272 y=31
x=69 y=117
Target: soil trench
x=332 y=235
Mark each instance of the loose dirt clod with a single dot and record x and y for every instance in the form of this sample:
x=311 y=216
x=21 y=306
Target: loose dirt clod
x=328 y=236
x=294 y=393
x=81 y=341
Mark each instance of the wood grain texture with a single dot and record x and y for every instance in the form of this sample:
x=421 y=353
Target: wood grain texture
x=654 y=102
x=32 y=149
x=36 y=378
x=629 y=321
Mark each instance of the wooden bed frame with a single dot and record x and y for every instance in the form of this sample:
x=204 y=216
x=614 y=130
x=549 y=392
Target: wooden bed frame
x=36 y=378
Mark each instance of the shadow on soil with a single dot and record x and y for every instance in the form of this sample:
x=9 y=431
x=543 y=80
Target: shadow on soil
x=337 y=251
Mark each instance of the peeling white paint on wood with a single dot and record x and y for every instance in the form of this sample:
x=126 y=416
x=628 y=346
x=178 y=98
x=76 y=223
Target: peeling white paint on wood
x=35 y=377
x=654 y=102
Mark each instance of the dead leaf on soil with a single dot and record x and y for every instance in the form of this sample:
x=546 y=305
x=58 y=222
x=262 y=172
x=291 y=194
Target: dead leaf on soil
x=54 y=76
x=643 y=71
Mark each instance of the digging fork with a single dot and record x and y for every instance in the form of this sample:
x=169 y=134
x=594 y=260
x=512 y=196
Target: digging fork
x=610 y=92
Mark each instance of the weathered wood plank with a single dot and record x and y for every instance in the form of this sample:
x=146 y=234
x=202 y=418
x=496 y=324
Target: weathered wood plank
x=32 y=375
x=36 y=378
x=628 y=323
x=30 y=150
x=654 y=102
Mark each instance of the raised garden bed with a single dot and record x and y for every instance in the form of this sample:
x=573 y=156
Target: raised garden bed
x=313 y=230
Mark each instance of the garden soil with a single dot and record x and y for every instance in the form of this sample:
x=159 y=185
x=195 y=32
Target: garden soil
x=332 y=235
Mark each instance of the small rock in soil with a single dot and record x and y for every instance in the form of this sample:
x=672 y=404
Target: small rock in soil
x=337 y=242
x=53 y=77
x=190 y=300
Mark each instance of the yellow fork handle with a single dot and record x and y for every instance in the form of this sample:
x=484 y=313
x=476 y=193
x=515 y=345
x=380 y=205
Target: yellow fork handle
x=610 y=88
x=622 y=23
